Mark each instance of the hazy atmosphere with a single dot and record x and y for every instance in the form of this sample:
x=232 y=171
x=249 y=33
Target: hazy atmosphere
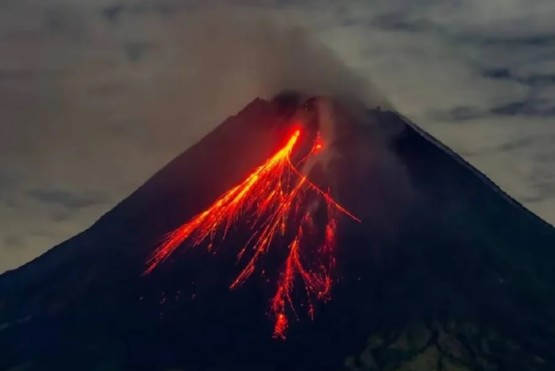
x=97 y=95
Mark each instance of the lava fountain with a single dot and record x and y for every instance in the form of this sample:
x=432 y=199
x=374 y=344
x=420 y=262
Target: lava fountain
x=279 y=204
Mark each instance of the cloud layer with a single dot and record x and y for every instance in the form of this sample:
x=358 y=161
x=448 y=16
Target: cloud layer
x=97 y=95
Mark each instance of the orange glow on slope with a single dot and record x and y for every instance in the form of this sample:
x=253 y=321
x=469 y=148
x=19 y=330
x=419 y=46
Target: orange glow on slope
x=275 y=200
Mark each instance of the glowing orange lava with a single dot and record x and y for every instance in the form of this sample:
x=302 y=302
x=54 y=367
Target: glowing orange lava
x=279 y=205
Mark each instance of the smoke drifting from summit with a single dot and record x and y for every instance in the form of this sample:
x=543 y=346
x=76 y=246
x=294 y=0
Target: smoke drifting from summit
x=233 y=56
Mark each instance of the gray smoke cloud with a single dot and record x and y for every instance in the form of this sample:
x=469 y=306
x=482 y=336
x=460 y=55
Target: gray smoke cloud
x=232 y=56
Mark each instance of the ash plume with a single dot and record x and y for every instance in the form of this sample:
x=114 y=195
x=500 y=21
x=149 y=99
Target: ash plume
x=232 y=56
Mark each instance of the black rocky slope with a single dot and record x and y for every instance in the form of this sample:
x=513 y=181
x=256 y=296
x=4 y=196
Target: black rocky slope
x=446 y=272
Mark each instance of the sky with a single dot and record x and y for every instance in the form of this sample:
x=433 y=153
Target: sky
x=97 y=95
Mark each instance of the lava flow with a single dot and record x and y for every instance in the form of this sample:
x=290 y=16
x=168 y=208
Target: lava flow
x=279 y=204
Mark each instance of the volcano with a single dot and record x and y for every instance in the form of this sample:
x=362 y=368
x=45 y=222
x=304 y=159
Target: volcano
x=300 y=234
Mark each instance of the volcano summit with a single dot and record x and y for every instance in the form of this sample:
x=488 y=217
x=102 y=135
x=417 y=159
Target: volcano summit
x=301 y=234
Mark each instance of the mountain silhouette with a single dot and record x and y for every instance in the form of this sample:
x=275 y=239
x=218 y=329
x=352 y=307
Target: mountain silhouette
x=444 y=272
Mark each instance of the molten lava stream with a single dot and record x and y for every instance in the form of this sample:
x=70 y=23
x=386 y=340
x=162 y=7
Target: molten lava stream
x=280 y=202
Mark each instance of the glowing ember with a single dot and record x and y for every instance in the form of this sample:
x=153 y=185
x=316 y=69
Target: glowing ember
x=280 y=205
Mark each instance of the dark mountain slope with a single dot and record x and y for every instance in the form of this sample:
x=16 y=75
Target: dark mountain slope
x=476 y=259
x=446 y=272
